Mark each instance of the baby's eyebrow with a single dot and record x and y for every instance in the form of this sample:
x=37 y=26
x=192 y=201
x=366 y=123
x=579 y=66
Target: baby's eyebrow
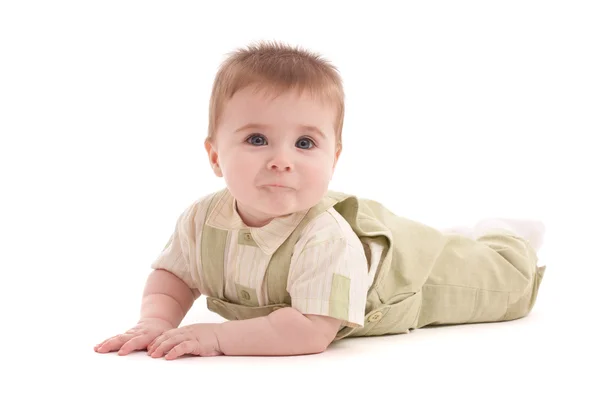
x=312 y=129
x=252 y=126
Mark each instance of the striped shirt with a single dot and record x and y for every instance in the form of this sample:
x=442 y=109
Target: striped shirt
x=327 y=247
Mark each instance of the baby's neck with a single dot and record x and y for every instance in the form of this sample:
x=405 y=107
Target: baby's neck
x=256 y=221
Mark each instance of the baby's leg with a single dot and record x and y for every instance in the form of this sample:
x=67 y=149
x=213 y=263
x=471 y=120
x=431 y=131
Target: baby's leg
x=494 y=276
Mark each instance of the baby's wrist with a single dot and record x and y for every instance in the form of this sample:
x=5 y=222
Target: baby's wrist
x=222 y=336
x=218 y=331
x=159 y=320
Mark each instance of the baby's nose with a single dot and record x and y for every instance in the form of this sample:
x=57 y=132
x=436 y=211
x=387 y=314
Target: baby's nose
x=280 y=166
x=280 y=162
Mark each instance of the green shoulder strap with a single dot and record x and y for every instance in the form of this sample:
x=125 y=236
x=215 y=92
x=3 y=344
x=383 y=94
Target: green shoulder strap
x=212 y=249
x=214 y=240
x=279 y=265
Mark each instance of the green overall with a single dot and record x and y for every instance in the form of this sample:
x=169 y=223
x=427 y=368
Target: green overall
x=425 y=277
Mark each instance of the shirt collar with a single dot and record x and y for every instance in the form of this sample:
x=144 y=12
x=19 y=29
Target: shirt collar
x=268 y=238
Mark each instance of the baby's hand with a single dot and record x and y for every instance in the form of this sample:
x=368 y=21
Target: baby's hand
x=196 y=339
x=137 y=338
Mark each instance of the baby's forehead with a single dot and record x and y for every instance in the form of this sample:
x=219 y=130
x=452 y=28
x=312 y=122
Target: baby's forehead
x=271 y=107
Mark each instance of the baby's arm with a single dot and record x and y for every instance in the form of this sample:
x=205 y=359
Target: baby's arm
x=166 y=297
x=284 y=332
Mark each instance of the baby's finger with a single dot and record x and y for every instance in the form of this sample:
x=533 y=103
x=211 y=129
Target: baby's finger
x=155 y=343
x=161 y=338
x=135 y=331
x=152 y=344
x=101 y=343
x=166 y=346
x=135 y=343
x=187 y=347
x=114 y=343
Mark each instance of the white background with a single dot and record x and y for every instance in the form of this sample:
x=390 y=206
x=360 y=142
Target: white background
x=461 y=110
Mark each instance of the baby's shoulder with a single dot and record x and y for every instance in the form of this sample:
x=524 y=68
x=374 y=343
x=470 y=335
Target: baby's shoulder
x=328 y=226
x=195 y=212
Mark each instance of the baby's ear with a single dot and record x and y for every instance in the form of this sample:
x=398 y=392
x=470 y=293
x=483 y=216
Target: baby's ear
x=213 y=158
x=338 y=151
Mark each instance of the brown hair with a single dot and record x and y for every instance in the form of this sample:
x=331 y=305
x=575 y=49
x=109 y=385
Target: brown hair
x=278 y=68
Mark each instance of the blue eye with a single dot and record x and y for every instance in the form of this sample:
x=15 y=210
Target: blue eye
x=256 y=140
x=305 y=143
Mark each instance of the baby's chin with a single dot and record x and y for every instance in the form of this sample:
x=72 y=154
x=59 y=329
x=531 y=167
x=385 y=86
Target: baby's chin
x=278 y=208
x=278 y=204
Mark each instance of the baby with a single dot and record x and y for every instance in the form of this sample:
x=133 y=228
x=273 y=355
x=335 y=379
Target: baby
x=293 y=266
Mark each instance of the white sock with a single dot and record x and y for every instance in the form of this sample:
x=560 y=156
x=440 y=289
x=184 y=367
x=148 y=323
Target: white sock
x=531 y=230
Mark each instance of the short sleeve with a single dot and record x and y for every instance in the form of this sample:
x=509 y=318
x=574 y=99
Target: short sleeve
x=175 y=256
x=330 y=277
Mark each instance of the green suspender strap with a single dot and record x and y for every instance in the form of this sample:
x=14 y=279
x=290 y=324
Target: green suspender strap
x=213 y=245
x=279 y=265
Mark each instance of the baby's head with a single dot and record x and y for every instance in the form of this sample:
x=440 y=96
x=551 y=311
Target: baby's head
x=275 y=125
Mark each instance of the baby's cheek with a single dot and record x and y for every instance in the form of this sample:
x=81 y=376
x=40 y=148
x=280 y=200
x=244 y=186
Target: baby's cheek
x=240 y=166
x=320 y=172
x=318 y=177
x=236 y=176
